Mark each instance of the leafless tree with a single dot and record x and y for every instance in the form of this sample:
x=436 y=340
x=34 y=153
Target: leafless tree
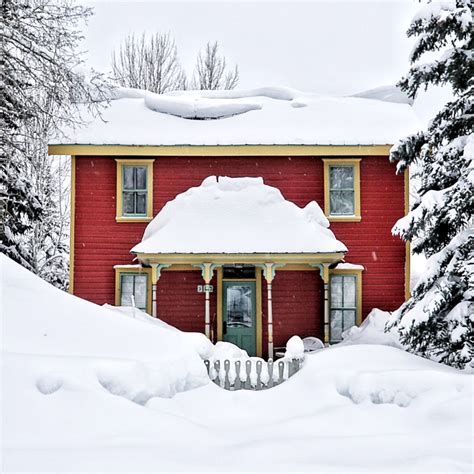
x=149 y=63
x=211 y=73
x=42 y=89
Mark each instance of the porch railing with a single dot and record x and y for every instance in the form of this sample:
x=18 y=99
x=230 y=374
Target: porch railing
x=252 y=374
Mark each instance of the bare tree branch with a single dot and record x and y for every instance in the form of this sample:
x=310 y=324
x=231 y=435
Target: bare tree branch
x=149 y=63
x=210 y=72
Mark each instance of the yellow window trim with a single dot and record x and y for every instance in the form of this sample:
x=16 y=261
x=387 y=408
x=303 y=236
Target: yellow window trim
x=355 y=163
x=120 y=270
x=119 y=196
x=358 y=275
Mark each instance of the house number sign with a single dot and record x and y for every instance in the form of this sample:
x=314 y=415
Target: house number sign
x=204 y=288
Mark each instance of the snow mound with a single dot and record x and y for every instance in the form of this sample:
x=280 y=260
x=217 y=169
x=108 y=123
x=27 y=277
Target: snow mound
x=74 y=343
x=140 y=315
x=197 y=107
x=272 y=92
x=398 y=386
x=294 y=348
x=203 y=220
x=386 y=94
x=372 y=331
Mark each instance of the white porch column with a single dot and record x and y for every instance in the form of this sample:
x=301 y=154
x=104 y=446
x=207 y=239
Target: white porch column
x=324 y=272
x=155 y=276
x=207 y=270
x=325 y=275
x=269 y=275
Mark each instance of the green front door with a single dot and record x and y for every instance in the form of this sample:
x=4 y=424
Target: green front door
x=238 y=314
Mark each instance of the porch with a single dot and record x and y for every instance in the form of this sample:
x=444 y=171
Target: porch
x=241 y=235
x=256 y=306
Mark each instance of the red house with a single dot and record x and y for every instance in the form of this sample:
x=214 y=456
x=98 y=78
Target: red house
x=165 y=217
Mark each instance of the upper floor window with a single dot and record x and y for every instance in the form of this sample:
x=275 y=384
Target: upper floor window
x=344 y=302
x=134 y=190
x=342 y=189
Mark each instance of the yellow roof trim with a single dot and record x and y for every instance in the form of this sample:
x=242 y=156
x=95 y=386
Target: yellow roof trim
x=227 y=150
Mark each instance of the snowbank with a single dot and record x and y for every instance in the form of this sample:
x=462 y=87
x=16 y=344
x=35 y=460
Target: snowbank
x=64 y=341
x=264 y=116
x=197 y=220
x=372 y=331
x=86 y=388
x=140 y=315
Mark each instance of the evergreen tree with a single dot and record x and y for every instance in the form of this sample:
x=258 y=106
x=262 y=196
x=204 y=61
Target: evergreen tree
x=437 y=322
x=42 y=89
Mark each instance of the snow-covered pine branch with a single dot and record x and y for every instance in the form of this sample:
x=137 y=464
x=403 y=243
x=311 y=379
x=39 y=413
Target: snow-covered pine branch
x=438 y=320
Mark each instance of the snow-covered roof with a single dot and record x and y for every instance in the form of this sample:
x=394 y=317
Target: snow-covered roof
x=265 y=116
x=237 y=215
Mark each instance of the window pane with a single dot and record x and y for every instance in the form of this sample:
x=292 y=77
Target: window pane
x=349 y=319
x=342 y=203
x=141 y=178
x=336 y=326
x=341 y=177
x=336 y=292
x=349 y=292
x=141 y=203
x=127 y=290
x=140 y=291
x=128 y=177
x=239 y=306
x=128 y=203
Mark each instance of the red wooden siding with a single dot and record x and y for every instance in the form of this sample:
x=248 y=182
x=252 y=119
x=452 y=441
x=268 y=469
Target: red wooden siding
x=297 y=306
x=101 y=242
x=178 y=301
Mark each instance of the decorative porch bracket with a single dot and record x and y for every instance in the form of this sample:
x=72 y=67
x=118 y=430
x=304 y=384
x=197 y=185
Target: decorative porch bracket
x=324 y=272
x=207 y=271
x=155 y=276
x=269 y=274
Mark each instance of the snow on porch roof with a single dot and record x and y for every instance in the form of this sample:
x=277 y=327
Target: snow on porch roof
x=237 y=216
x=265 y=116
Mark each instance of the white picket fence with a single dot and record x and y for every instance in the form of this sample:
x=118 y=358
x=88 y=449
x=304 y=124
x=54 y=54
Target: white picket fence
x=251 y=374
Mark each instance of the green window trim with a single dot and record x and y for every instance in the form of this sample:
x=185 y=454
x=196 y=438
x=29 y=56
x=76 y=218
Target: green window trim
x=342 y=190
x=134 y=190
x=348 y=306
x=134 y=276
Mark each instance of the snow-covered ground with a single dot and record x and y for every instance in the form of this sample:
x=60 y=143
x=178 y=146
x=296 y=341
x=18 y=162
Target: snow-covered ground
x=86 y=388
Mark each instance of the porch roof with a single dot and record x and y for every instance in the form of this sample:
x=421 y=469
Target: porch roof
x=228 y=219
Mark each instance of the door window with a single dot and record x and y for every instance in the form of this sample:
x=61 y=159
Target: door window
x=239 y=306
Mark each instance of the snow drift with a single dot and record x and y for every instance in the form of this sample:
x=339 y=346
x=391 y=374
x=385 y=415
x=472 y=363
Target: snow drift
x=87 y=388
x=63 y=336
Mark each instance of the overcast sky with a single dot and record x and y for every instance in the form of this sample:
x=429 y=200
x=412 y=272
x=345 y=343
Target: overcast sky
x=329 y=47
